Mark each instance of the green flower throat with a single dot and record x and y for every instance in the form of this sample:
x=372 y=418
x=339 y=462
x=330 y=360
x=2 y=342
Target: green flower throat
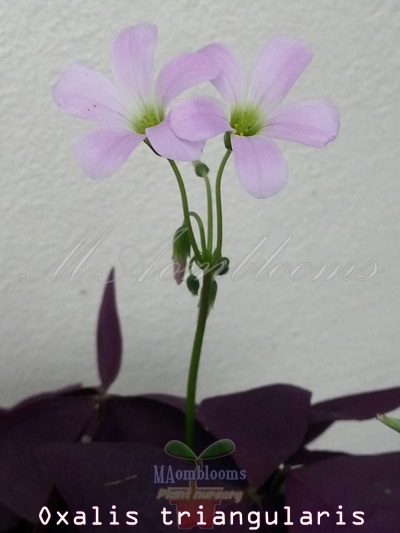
x=148 y=117
x=246 y=121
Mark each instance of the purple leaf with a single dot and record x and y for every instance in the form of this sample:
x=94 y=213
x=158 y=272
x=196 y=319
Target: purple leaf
x=103 y=475
x=148 y=420
x=109 y=338
x=267 y=426
x=303 y=456
x=8 y=521
x=175 y=401
x=24 y=485
x=121 y=474
x=70 y=389
x=368 y=484
x=355 y=407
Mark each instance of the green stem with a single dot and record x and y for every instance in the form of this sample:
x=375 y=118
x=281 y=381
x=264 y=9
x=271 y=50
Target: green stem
x=185 y=206
x=209 y=215
x=201 y=228
x=218 y=202
x=204 y=306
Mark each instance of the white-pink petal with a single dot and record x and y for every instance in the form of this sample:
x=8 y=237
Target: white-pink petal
x=259 y=165
x=167 y=144
x=199 y=118
x=278 y=66
x=231 y=80
x=102 y=152
x=183 y=72
x=85 y=93
x=311 y=122
x=132 y=57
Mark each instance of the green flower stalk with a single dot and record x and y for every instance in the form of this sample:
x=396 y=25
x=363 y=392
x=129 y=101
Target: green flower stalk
x=389 y=421
x=138 y=107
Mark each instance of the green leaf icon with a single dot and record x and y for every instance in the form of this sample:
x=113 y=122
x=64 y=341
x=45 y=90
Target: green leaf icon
x=393 y=423
x=220 y=448
x=179 y=449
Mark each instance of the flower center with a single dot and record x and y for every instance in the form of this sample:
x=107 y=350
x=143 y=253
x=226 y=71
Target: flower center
x=147 y=117
x=246 y=121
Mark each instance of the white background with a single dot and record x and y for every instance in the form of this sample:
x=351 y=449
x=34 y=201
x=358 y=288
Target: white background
x=342 y=204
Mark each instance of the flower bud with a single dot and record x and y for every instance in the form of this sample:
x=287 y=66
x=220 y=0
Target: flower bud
x=213 y=292
x=200 y=168
x=193 y=284
x=222 y=267
x=180 y=253
x=227 y=141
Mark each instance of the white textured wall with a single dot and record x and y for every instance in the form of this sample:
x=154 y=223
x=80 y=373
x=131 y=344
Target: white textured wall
x=342 y=204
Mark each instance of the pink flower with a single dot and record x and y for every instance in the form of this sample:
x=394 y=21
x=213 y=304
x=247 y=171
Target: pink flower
x=135 y=107
x=254 y=116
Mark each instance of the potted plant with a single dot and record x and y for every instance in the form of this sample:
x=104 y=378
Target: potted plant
x=82 y=459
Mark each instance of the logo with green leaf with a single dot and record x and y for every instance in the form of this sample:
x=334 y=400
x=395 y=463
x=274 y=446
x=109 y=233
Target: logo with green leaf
x=216 y=450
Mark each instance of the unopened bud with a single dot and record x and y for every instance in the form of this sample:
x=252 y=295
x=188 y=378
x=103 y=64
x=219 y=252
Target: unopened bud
x=222 y=267
x=200 y=169
x=213 y=292
x=227 y=140
x=179 y=268
x=180 y=253
x=193 y=284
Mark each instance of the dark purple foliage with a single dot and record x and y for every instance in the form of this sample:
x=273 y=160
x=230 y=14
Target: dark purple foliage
x=266 y=424
x=361 y=406
x=8 y=520
x=109 y=338
x=39 y=449
x=24 y=484
x=120 y=474
x=369 y=484
x=77 y=448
